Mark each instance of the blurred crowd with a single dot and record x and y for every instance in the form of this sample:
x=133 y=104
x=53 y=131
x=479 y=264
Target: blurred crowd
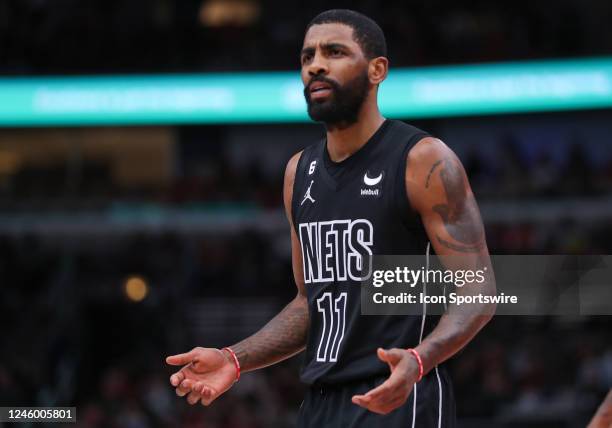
x=207 y=174
x=104 y=36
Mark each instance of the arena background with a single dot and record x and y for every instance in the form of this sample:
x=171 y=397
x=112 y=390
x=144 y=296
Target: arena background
x=121 y=244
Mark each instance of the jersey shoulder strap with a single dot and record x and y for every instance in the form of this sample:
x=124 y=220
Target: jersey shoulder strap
x=305 y=164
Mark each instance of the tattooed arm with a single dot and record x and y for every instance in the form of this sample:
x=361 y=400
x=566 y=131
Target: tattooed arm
x=208 y=372
x=285 y=335
x=439 y=191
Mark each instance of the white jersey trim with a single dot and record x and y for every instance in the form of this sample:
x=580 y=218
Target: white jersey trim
x=414 y=401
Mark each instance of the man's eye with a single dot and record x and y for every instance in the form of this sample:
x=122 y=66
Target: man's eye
x=336 y=52
x=306 y=58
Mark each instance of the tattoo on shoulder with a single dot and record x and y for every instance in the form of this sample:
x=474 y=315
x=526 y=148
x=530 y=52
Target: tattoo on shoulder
x=433 y=167
x=460 y=213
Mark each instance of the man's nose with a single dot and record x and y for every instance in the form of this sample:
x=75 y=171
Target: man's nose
x=318 y=65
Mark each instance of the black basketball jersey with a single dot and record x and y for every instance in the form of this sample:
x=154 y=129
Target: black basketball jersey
x=360 y=208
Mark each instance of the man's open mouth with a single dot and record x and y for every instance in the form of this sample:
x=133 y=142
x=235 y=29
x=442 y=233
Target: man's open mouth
x=319 y=86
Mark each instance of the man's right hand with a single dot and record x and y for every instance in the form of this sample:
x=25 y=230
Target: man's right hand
x=206 y=374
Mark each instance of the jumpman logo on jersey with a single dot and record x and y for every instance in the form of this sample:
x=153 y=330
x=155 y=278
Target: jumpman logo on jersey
x=307 y=194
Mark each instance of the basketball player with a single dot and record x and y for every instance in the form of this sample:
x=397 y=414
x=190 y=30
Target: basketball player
x=372 y=186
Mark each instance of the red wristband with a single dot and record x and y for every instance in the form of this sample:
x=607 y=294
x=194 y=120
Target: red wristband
x=419 y=361
x=236 y=362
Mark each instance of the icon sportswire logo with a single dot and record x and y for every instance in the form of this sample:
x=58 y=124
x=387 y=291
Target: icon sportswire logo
x=372 y=181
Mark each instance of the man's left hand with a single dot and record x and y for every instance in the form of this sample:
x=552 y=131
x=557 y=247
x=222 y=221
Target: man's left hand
x=393 y=392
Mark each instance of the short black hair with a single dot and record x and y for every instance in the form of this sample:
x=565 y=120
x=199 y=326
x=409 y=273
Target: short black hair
x=366 y=31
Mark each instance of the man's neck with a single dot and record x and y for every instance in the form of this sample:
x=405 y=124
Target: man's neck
x=342 y=142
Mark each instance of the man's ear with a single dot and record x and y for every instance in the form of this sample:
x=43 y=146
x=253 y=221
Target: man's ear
x=378 y=69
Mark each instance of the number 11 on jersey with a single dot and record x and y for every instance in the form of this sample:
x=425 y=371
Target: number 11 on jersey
x=333 y=312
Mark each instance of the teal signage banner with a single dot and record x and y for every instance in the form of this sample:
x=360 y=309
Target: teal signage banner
x=277 y=97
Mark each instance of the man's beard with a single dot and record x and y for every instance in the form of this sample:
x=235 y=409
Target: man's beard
x=343 y=104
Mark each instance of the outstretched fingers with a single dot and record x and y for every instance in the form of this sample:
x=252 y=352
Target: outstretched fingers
x=181 y=359
x=193 y=397
x=197 y=392
x=381 y=391
x=208 y=395
x=390 y=356
x=184 y=388
x=385 y=397
x=177 y=378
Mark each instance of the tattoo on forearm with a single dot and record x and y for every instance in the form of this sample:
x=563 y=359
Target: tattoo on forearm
x=433 y=167
x=282 y=337
x=460 y=213
x=461 y=248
